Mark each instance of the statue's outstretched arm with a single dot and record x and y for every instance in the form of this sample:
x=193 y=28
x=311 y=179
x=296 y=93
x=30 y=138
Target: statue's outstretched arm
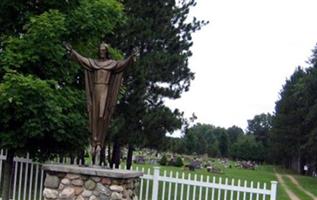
x=83 y=61
x=124 y=63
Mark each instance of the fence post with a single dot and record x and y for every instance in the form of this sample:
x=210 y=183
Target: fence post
x=273 y=190
x=155 y=183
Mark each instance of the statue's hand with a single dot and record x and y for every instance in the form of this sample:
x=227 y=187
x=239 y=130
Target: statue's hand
x=68 y=47
x=135 y=53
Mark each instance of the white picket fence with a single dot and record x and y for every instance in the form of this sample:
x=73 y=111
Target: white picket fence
x=187 y=187
x=155 y=184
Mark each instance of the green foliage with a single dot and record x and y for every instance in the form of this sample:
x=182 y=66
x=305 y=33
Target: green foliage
x=115 y=54
x=219 y=142
x=234 y=133
x=223 y=144
x=39 y=51
x=158 y=121
x=201 y=139
x=15 y=14
x=178 y=162
x=260 y=126
x=246 y=148
x=43 y=108
x=171 y=162
x=39 y=118
x=161 y=30
x=93 y=19
x=294 y=134
x=175 y=145
x=163 y=160
x=287 y=123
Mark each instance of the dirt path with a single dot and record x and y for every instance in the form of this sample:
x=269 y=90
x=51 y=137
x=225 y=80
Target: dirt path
x=295 y=182
x=290 y=194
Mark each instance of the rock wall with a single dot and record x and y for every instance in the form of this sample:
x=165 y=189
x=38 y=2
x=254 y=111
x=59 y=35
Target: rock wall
x=70 y=186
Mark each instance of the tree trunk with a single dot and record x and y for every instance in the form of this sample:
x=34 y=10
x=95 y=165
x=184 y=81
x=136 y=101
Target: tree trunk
x=103 y=156
x=7 y=175
x=82 y=157
x=72 y=159
x=129 y=157
x=109 y=153
x=112 y=156
x=61 y=158
x=115 y=155
x=93 y=159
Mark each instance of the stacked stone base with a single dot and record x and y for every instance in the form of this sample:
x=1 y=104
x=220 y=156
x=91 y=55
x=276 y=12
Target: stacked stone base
x=76 y=183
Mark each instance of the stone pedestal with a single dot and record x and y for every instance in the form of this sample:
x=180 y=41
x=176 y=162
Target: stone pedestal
x=72 y=182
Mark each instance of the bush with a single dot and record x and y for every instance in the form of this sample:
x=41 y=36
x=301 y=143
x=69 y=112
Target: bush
x=178 y=162
x=171 y=162
x=163 y=160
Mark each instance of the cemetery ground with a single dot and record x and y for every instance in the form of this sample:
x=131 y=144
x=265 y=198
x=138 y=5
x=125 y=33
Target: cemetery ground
x=291 y=187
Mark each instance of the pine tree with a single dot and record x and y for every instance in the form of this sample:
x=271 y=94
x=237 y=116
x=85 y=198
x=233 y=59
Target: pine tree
x=163 y=34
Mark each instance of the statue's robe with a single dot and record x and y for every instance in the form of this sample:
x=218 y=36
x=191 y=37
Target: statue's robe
x=102 y=81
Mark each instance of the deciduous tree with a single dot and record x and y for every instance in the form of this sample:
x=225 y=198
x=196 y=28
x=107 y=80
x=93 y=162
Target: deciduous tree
x=42 y=96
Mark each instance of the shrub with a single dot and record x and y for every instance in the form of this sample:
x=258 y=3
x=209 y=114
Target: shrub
x=171 y=162
x=163 y=160
x=178 y=162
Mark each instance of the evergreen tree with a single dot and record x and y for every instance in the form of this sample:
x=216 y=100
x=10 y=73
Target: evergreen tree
x=288 y=130
x=162 y=32
x=309 y=138
x=294 y=135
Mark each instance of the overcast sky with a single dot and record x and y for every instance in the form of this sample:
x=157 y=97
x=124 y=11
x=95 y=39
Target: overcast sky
x=243 y=57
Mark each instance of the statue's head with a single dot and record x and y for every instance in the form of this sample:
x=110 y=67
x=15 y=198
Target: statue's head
x=103 y=51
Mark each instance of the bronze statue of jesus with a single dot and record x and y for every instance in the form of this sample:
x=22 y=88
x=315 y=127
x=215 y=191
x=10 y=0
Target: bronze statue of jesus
x=103 y=79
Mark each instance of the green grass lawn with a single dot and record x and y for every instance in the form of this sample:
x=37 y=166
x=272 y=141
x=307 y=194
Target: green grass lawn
x=263 y=174
x=295 y=189
x=308 y=183
x=281 y=194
